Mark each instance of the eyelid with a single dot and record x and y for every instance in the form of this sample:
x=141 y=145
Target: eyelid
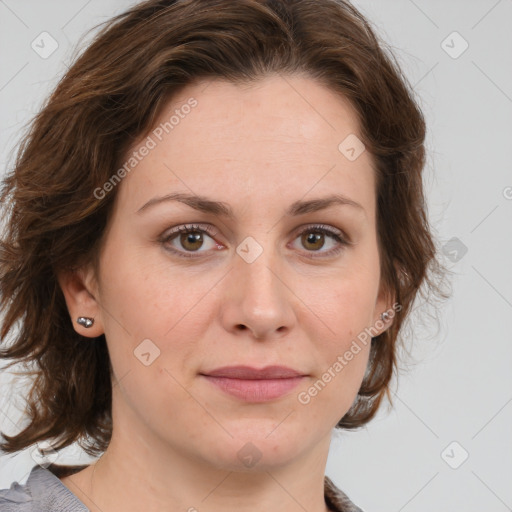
x=335 y=233
x=325 y=228
x=212 y=231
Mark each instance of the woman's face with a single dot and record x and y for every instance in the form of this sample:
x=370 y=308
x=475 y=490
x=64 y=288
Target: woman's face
x=259 y=287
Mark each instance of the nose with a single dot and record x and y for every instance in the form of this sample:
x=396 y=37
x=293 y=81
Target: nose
x=257 y=296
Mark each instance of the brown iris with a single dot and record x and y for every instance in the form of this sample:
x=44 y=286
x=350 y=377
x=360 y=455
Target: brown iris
x=191 y=238
x=312 y=237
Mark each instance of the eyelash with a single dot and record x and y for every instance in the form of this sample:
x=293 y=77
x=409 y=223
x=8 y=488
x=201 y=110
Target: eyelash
x=316 y=228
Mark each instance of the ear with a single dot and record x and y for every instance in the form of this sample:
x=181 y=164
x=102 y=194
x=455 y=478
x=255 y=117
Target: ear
x=385 y=304
x=81 y=292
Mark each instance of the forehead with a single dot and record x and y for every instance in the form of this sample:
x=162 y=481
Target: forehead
x=279 y=135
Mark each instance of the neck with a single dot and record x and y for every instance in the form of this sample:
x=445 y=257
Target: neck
x=126 y=479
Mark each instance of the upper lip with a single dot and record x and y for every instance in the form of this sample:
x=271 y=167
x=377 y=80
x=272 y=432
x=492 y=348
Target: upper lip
x=248 y=372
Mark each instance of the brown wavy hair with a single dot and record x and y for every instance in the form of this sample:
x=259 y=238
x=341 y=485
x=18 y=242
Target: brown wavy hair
x=111 y=96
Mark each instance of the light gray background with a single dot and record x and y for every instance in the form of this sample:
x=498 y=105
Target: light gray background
x=460 y=388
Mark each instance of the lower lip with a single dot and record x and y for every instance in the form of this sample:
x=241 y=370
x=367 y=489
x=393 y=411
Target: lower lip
x=255 y=390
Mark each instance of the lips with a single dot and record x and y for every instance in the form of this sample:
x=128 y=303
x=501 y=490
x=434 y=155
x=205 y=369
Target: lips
x=253 y=384
x=250 y=373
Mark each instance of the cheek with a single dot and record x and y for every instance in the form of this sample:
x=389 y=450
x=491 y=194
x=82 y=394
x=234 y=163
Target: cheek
x=156 y=314
x=147 y=295
x=344 y=312
x=342 y=362
x=333 y=391
x=344 y=305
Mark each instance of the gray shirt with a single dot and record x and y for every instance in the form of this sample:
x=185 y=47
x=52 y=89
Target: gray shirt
x=44 y=492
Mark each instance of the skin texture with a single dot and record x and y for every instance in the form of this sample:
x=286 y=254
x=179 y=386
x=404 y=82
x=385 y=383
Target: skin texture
x=176 y=437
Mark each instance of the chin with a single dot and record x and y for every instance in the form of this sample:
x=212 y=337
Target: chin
x=256 y=451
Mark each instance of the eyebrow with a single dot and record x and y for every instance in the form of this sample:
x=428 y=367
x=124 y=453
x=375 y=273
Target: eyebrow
x=205 y=205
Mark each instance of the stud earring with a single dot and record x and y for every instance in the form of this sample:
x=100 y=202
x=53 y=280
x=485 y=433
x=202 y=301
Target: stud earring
x=385 y=316
x=85 y=321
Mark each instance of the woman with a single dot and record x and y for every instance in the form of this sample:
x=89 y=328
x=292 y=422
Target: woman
x=215 y=231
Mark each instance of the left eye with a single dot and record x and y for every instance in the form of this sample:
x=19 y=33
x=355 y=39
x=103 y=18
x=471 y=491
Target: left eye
x=314 y=238
x=191 y=238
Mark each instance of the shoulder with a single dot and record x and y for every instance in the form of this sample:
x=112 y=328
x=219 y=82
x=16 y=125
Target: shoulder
x=336 y=499
x=42 y=492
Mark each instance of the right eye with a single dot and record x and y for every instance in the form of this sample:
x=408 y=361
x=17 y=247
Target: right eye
x=191 y=239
